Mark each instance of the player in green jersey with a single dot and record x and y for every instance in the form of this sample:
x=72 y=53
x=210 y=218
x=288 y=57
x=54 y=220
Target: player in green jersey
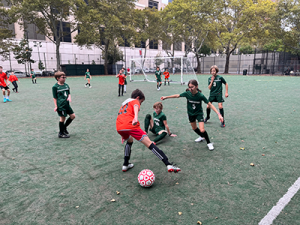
x=125 y=82
x=158 y=125
x=33 y=77
x=158 y=78
x=194 y=109
x=215 y=85
x=88 y=77
x=62 y=99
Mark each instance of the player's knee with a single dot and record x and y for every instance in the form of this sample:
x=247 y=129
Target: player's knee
x=72 y=116
x=148 y=116
x=202 y=130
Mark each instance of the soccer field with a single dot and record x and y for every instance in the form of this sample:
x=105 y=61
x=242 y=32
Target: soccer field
x=47 y=180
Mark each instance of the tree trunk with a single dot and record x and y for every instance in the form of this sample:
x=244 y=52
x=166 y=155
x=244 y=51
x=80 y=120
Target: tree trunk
x=227 y=62
x=106 y=58
x=57 y=43
x=198 y=63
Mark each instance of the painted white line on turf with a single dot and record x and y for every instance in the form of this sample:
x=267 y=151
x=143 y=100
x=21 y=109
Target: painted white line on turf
x=275 y=211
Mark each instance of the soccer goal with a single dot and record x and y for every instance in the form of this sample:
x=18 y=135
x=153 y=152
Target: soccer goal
x=180 y=69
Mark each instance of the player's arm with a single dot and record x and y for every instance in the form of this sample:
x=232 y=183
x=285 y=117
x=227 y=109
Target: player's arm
x=85 y=77
x=216 y=111
x=168 y=129
x=117 y=75
x=171 y=96
x=226 y=88
x=90 y=76
x=54 y=93
x=136 y=114
x=69 y=98
x=211 y=82
x=55 y=104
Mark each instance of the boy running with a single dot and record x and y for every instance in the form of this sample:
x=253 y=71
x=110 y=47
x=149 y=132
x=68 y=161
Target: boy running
x=215 y=85
x=33 y=78
x=3 y=86
x=158 y=78
x=88 y=77
x=122 y=78
x=128 y=127
x=13 y=79
x=62 y=99
x=167 y=75
x=194 y=109
x=158 y=125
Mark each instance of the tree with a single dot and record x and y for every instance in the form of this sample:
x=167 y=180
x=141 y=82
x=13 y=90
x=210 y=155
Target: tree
x=52 y=18
x=237 y=21
x=114 y=54
x=23 y=54
x=246 y=49
x=103 y=24
x=5 y=33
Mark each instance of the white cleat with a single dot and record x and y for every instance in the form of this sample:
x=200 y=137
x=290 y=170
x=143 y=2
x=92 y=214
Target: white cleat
x=85 y=85
x=173 y=168
x=210 y=146
x=125 y=168
x=199 y=139
x=90 y=86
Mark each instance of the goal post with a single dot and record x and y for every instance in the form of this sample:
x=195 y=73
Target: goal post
x=179 y=67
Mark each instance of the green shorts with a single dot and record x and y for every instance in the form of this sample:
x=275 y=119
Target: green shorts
x=32 y=77
x=67 y=111
x=158 y=80
x=198 y=117
x=156 y=131
x=218 y=99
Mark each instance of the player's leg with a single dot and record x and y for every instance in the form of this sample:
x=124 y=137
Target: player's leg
x=220 y=104
x=62 y=128
x=7 y=96
x=165 y=81
x=35 y=79
x=148 y=122
x=168 y=81
x=193 y=123
x=122 y=90
x=127 y=154
x=16 y=87
x=205 y=135
x=119 y=90
x=69 y=120
x=3 y=92
x=161 y=135
x=125 y=88
x=207 y=114
x=160 y=154
x=157 y=85
x=32 y=80
x=160 y=83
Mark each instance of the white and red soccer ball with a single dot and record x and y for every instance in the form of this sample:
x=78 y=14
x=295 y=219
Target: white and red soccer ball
x=146 y=178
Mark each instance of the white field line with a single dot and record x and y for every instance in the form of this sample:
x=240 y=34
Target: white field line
x=275 y=211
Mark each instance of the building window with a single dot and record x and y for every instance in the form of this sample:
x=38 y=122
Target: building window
x=66 y=32
x=178 y=46
x=166 y=46
x=152 y=4
x=153 y=44
x=32 y=32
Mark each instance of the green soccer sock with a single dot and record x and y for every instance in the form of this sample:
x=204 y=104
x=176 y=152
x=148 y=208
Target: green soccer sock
x=147 y=122
x=160 y=137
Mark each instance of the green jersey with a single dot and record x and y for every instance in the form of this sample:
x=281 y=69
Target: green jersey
x=157 y=74
x=87 y=74
x=32 y=74
x=61 y=93
x=216 y=88
x=194 y=102
x=159 y=121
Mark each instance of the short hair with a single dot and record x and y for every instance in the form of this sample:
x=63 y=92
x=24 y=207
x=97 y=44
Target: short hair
x=158 y=104
x=137 y=93
x=157 y=67
x=1 y=67
x=31 y=69
x=58 y=74
x=214 y=67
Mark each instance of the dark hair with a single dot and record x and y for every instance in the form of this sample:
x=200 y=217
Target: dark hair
x=1 y=67
x=195 y=83
x=158 y=104
x=137 y=93
x=214 y=67
x=58 y=74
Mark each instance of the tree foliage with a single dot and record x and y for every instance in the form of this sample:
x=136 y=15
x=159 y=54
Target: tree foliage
x=6 y=34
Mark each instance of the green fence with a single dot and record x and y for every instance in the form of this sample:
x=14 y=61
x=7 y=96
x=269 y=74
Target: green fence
x=79 y=70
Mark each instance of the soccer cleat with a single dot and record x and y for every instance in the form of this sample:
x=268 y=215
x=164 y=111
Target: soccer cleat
x=210 y=146
x=223 y=124
x=124 y=91
x=90 y=86
x=205 y=120
x=66 y=132
x=199 y=139
x=173 y=168
x=8 y=100
x=63 y=135
x=4 y=100
x=125 y=168
x=85 y=85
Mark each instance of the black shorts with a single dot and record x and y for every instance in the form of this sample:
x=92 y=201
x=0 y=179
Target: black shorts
x=5 y=88
x=199 y=117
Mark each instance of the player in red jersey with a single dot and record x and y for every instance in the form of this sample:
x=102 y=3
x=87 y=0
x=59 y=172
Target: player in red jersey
x=122 y=78
x=4 y=86
x=13 y=79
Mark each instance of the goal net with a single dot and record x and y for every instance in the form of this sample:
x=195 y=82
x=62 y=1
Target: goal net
x=180 y=69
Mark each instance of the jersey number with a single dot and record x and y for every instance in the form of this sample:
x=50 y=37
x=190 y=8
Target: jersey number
x=194 y=106
x=215 y=84
x=66 y=94
x=123 y=109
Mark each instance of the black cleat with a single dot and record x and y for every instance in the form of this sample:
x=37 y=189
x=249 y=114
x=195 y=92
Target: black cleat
x=63 y=135
x=223 y=124
x=66 y=132
x=205 y=120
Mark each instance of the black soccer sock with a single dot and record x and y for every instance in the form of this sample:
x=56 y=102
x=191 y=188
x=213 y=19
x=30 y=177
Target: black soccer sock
x=197 y=131
x=86 y=84
x=222 y=112
x=160 y=137
x=205 y=135
x=165 y=82
x=208 y=113
x=61 y=127
x=69 y=120
x=127 y=153
x=122 y=90
x=32 y=81
x=168 y=82
x=35 y=80
x=89 y=84
x=119 y=90
x=159 y=84
x=159 y=153
x=147 y=122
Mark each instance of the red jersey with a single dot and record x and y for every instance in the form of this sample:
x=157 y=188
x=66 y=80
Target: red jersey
x=126 y=115
x=167 y=74
x=3 y=77
x=121 y=79
x=12 y=78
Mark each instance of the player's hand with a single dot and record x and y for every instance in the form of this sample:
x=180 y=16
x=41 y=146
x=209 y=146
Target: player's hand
x=162 y=98
x=221 y=118
x=55 y=109
x=212 y=78
x=226 y=95
x=134 y=121
x=173 y=135
x=69 y=99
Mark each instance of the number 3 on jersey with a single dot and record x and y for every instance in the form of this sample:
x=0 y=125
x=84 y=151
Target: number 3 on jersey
x=194 y=106
x=123 y=109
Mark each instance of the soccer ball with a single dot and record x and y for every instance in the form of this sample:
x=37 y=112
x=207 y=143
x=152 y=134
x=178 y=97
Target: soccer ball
x=146 y=178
